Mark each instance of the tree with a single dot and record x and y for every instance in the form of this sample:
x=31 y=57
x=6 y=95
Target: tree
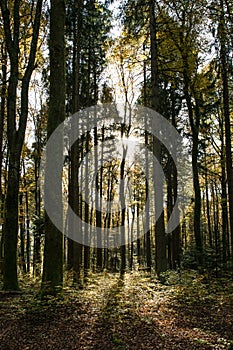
x=226 y=110
x=161 y=261
x=2 y=134
x=16 y=126
x=75 y=248
x=183 y=21
x=39 y=121
x=53 y=250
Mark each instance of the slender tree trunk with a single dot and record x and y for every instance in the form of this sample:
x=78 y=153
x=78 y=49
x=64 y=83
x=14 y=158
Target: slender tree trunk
x=138 y=238
x=147 y=213
x=225 y=228
x=15 y=135
x=11 y=225
x=37 y=233
x=174 y=184
x=2 y=111
x=28 y=244
x=210 y=238
x=123 y=212
x=194 y=123
x=76 y=248
x=2 y=123
x=11 y=219
x=160 y=240
x=86 y=212
x=226 y=112
x=99 y=261
x=22 y=234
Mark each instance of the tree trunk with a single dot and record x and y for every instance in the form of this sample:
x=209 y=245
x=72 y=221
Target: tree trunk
x=15 y=135
x=123 y=212
x=226 y=111
x=11 y=225
x=225 y=226
x=53 y=252
x=194 y=123
x=28 y=245
x=22 y=234
x=161 y=259
x=2 y=123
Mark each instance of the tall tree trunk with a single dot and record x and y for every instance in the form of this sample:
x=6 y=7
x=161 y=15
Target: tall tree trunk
x=147 y=213
x=174 y=184
x=225 y=225
x=22 y=234
x=2 y=123
x=28 y=245
x=123 y=212
x=99 y=251
x=53 y=252
x=74 y=108
x=210 y=238
x=15 y=135
x=86 y=256
x=38 y=231
x=2 y=111
x=75 y=248
x=160 y=238
x=194 y=123
x=226 y=111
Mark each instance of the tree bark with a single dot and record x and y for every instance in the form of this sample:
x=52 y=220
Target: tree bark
x=15 y=135
x=226 y=111
x=161 y=259
x=53 y=250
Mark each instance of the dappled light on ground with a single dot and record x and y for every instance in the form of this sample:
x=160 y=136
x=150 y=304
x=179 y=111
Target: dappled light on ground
x=118 y=313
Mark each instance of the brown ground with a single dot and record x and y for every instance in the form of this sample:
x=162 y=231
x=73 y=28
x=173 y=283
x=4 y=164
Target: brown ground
x=188 y=312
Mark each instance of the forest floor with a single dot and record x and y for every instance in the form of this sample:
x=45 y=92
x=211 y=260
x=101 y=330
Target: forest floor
x=187 y=312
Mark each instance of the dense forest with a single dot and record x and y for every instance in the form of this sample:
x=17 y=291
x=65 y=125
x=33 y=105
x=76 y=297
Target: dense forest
x=116 y=177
